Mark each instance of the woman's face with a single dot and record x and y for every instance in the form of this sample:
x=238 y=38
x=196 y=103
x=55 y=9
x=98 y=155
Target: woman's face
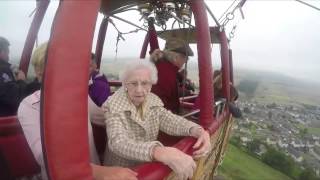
x=39 y=72
x=179 y=60
x=4 y=54
x=138 y=85
x=92 y=67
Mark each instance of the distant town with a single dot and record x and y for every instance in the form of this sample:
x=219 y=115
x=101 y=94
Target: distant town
x=287 y=128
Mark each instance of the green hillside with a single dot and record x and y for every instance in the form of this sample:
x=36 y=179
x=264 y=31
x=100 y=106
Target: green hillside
x=267 y=87
x=238 y=165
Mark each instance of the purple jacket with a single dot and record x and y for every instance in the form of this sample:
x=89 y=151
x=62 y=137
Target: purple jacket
x=99 y=89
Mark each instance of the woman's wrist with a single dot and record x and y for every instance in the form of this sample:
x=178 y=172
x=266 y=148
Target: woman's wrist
x=196 y=131
x=155 y=152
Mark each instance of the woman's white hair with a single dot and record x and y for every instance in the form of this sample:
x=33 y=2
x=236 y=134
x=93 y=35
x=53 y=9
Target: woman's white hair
x=137 y=65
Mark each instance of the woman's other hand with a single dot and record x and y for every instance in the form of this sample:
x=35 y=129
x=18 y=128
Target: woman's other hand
x=182 y=164
x=203 y=145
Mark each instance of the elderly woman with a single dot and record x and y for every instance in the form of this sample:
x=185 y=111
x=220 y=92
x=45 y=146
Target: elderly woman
x=29 y=118
x=168 y=63
x=134 y=117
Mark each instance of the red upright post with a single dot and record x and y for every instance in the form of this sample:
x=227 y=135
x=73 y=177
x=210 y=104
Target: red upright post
x=64 y=97
x=225 y=65
x=42 y=6
x=101 y=39
x=150 y=38
x=153 y=37
x=145 y=46
x=231 y=66
x=204 y=62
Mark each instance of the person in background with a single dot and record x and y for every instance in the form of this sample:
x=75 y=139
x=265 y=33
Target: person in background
x=12 y=85
x=37 y=61
x=168 y=63
x=217 y=85
x=29 y=118
x=185 y=86
x=218 y=94
x=134 y=117
x=99 y=89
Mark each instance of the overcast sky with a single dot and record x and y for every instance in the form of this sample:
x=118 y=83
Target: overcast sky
x=279 y=36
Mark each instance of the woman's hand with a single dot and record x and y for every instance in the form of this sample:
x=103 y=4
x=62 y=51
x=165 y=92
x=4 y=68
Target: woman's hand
x=113 y=173
x=203 y=145
x=182 y=164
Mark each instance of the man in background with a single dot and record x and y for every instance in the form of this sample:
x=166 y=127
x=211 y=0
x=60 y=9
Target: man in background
x=12 y=84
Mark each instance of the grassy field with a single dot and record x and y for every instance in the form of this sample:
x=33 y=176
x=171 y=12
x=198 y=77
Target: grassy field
x=315 y=131
x=238 y=165
x=311 y=130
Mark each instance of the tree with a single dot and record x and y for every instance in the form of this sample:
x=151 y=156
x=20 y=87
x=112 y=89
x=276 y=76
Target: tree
x=254 y=146
x=303 y=132
x=278 y=160
x=248 y=87
x=235 y=140
x=308 y=174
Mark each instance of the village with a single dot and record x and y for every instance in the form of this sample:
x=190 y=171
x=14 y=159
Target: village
x=284 y=127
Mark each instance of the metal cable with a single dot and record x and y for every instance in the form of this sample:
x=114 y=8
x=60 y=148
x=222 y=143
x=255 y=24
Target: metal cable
x=307 y=4
x=227 y=10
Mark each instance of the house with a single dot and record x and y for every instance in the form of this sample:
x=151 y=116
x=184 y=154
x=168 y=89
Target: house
x=262 y=150
x=297 y=144
x=244 y=140
x=271 y=141
x=283 y=143
x=315 y=137
x=296 y=155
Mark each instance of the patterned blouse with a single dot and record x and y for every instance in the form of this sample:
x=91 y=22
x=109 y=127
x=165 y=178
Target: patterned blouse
x=131 y=135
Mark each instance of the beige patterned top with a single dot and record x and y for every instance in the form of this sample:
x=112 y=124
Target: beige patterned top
x=132 y=137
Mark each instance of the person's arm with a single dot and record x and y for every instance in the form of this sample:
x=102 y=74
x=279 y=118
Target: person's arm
x=29 y=120
x=12 y=92
x=182 y=164
x=121 y=144
x=203 y=144
x=112 y=173
x=95 y=113
x=178 y=126
x=99 y=90
x=173 y=124
x=32 y=87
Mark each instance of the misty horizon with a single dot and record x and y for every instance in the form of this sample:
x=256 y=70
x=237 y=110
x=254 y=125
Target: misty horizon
x=276 y=42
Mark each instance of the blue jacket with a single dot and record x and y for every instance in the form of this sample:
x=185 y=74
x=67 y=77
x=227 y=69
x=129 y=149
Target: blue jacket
x=11 y=91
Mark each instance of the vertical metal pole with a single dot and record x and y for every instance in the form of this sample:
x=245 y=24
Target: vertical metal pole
x=42 y=6
x=64 y=96
x=225 y=65
x=231 y=66
x=145 y=46
x=101 y=39
x=153 y=39
x=204 y=62
x=150 y=38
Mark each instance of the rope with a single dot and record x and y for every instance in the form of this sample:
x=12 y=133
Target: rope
x=227 y=10
x=120 y=35
x=307 y=4
x=212 y=15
